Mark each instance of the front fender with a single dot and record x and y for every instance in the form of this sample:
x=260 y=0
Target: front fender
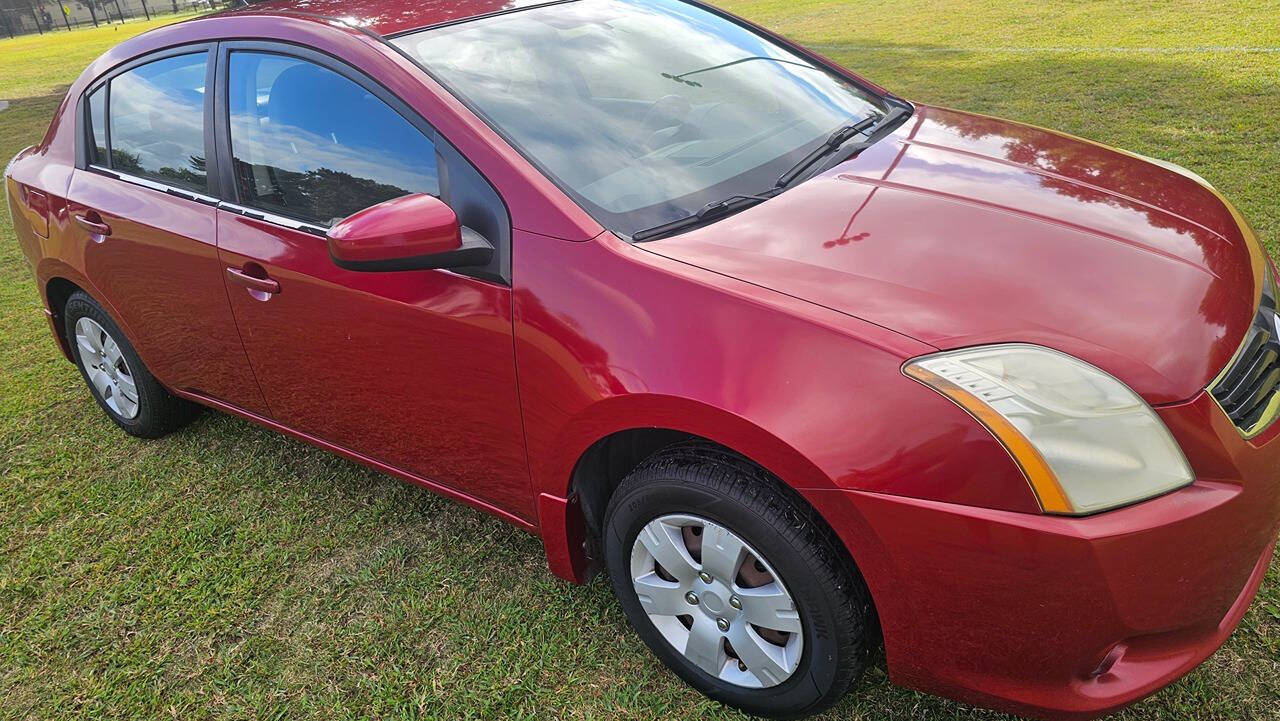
x=610 y=337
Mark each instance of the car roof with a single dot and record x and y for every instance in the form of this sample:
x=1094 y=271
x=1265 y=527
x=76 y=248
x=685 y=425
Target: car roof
x=387 y=17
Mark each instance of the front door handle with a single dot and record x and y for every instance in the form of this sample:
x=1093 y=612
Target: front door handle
x=263 y=286
x=93 y=223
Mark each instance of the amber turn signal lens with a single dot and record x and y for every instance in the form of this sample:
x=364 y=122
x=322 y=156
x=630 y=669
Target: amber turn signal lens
x=1084 y=440
x=1043 y=483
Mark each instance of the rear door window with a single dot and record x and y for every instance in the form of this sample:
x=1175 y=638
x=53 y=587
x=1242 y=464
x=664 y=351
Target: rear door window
x=310 y=144
x=157 y=121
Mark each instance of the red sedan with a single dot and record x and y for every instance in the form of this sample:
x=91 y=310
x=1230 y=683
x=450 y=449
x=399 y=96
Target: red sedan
x=803 y=366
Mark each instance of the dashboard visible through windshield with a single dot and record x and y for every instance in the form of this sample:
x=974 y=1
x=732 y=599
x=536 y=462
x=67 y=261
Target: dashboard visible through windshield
x=644 y=111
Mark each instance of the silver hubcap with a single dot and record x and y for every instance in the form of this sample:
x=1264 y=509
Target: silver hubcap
x=108 y=372
x=717 y=601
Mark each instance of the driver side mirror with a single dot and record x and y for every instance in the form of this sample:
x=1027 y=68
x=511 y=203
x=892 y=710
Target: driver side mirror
x=413 y=232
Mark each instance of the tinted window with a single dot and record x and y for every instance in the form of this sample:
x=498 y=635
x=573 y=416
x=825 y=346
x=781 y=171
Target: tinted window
x=645 y=110
x=310 y=144
x=98 y=125
x=157 y=121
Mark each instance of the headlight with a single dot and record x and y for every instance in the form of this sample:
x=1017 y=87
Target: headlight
x=1085 y=442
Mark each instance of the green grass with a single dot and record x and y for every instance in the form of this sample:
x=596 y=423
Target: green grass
x=228 y=572
x=37 y=64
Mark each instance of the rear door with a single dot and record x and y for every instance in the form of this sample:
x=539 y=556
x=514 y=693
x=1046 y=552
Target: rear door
x=143 y=211
x=413 y=369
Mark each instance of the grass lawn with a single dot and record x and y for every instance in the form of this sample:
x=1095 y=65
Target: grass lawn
x=228 y=572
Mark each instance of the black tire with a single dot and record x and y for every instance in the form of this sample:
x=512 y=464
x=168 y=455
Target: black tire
x=703 y=480
x=159 y=411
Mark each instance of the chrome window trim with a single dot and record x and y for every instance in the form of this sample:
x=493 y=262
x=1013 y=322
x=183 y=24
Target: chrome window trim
x=274 y=219
x=254 y=213
x=156 y=185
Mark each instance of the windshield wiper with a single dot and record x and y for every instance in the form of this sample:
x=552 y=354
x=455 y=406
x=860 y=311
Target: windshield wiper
x=871 y=126
x=710 y=211
x=874 y=126
x=833 y=143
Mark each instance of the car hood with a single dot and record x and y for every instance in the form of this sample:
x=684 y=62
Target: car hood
x=961 y=230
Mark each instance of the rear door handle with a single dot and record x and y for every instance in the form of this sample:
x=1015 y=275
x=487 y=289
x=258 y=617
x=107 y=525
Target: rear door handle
x=260 y=285
x=92 y=223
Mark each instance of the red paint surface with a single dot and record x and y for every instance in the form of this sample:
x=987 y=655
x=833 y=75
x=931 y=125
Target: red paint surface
x=159 y=268
x=779 y=332
x=1021 y=610
x=386 y=17
x=406 y=227
x=963 y=230
x=412 y=368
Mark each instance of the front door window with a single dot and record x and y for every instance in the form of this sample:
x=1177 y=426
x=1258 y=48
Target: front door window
x=310 y=144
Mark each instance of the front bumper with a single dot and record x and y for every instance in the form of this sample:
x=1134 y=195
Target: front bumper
x=1056 y=617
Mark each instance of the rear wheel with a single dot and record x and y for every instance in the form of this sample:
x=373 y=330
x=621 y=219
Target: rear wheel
x=116 y=376
x=735 y=584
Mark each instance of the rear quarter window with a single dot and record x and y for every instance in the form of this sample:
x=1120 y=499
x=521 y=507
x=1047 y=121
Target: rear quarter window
x=98 y=125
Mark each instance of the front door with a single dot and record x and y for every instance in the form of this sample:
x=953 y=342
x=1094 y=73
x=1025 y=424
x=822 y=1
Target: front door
x=414 y=369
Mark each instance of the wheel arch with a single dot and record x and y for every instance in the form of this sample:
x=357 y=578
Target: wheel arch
x=58 y=281
x=652 y=412
x=608 y=440
x=605 y=463
x=57 y=291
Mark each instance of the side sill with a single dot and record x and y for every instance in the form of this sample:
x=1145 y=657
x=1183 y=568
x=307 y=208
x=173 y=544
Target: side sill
x=377 y=465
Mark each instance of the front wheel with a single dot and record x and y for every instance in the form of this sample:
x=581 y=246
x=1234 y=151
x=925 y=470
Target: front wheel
x=735 y=584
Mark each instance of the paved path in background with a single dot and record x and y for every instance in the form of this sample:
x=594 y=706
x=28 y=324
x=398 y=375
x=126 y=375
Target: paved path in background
x=4 y=105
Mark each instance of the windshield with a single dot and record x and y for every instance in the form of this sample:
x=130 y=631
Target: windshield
x=643 y=110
